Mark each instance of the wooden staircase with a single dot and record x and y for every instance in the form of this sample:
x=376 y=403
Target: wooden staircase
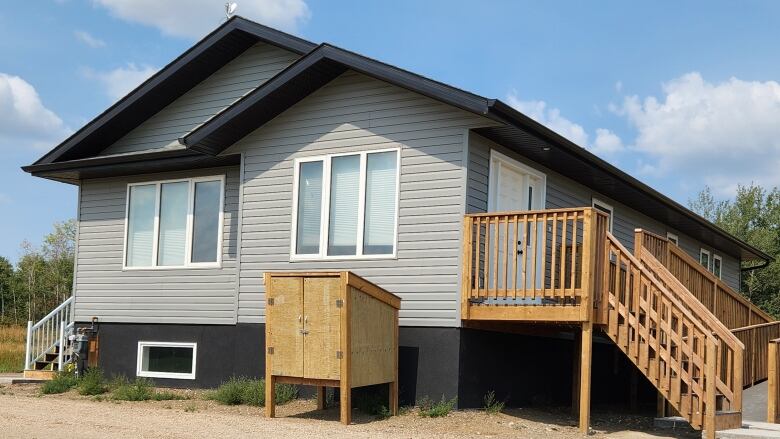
x=48 y=347
x=683 y=350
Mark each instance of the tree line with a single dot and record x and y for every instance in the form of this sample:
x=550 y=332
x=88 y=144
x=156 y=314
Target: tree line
x=41 y=279
x=753 y=215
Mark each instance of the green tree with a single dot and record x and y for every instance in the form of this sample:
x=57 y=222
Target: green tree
x=754 y=217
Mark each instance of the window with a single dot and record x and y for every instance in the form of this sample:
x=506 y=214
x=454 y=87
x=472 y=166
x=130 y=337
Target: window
x=166 y=360
x=671 y=237
x=606 y=208
x=704 y=258
x=717 y=265
x=174 y=224
x=346 y=206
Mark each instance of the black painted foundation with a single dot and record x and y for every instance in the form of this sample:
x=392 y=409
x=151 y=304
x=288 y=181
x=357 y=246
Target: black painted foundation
x=523 y=370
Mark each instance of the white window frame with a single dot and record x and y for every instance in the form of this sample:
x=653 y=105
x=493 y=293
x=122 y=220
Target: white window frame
x=325 y=208
x=703 y=251
x=189 y=230
x=498 y=159
x=717 y=257
x=165 y=344
x=604 y=206
x=674 y=239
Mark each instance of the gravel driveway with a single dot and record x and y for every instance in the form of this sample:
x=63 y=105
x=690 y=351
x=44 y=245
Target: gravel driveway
x=24 y=414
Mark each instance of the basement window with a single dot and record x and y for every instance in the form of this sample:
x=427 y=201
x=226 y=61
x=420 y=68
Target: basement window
x=166 y=360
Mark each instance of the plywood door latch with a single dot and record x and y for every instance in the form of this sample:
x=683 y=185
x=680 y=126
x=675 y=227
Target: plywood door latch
x=270 y=350
x=270 y=301
x=339 y=303
x=339 y=355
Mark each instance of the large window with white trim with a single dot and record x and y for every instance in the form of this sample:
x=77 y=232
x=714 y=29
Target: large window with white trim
x=346 y=205
x=174 y=223
x=166 y=359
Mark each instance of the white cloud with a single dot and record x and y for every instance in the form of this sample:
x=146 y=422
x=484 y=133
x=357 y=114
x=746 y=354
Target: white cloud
x=121 y=80
x=718 y=134
x=195 y=18
x=25 y=120
x=86 y=38
x=606 y=143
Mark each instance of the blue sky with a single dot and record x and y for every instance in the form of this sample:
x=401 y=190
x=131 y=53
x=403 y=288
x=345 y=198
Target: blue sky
x=679 y=94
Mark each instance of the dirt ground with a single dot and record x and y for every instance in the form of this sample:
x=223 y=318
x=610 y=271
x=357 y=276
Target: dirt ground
x=25 y=413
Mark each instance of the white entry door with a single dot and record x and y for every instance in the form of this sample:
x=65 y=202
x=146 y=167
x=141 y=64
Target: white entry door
x=514 y=186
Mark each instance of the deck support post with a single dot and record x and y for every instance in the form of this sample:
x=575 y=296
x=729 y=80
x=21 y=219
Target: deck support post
x=575 y=376
x=586 y=358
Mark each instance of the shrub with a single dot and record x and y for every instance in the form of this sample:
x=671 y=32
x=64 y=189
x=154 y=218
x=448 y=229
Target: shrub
x=247 y=391
x=92 y=382
x=492 y=405
x=431 y=409
x=61 y=383
x=138 y=390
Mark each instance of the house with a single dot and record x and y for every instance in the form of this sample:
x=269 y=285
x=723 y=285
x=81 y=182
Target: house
x=257 y=151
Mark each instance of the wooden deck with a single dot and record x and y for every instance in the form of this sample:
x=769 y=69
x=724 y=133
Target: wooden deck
x=696 y=340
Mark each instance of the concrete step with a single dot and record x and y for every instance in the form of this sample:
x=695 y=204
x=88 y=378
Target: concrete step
x=751 y=430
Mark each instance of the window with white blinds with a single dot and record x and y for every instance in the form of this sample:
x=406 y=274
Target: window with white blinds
x=346 y=206
x=174 y=224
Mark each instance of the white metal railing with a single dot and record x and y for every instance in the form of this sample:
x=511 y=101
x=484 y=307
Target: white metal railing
x=51 y=331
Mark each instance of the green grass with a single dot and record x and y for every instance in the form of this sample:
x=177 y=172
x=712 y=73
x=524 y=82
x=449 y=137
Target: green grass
x=492 y=405
x=138 y=390
x=431 y=409
x=239 y=390
x=61 y=383
x=164 y=395
x=12 y=345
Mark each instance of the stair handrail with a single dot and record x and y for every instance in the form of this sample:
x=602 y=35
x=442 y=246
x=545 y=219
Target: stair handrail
x=691 y=262
x=713 y=324
x=716 y=326
x=48 y=333
x=708 y=362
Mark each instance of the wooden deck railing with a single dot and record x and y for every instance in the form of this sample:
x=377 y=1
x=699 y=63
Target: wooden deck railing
x=756 y=338
x=667 y=342
x=731 y=350
x=524 y=259
x=730 y=307
x=773 y=386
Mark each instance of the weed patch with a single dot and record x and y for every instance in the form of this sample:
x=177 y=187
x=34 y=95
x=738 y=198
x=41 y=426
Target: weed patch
x=432 y=409
x=92 y=383
x=61 y=383
x=492 y=405
x=238 y=390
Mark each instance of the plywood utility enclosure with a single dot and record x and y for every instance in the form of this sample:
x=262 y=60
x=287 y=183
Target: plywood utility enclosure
x=330 y=330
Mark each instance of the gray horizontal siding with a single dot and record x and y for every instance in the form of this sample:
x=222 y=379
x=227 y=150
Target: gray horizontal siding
x=358 y=113
x=104 y=290
x=562 y=192
x=235 y=79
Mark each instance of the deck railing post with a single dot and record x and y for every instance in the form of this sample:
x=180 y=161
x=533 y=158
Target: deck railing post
x=465 y=277
x=61 y=349
x=711 y=387
x=773 y=384
x=588 y=263
x=28 y=354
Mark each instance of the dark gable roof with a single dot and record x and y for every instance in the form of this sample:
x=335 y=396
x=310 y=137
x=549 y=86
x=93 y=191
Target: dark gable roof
x=321 y=64
x=193 y=66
